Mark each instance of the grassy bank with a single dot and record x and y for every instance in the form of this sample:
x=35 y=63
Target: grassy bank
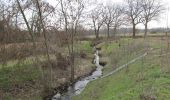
x=21 y=79
x=146 y=79
x=118 y=52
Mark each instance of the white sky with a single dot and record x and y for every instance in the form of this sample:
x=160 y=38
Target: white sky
x=163 y=20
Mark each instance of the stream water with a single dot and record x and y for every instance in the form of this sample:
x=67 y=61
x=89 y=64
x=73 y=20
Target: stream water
x=80 y=85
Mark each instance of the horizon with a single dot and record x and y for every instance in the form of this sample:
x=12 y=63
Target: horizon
x=161 y=23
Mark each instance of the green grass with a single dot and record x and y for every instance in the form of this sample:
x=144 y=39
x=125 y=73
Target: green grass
x=84 y=46
x=157 y=43
x=34 y=97
x=129 y=84
x=117 y=55
x=109 y=46
x=144 y=78
x=16 y=73
x=19 y=74
x=28 y=60
x=140 y=78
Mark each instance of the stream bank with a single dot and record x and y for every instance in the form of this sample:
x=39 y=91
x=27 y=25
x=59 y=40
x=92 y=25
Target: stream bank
x=80 y=84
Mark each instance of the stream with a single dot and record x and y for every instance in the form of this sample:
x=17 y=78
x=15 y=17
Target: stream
x=80 y=85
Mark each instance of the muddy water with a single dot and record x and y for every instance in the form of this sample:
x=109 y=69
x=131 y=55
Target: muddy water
x=80 y=85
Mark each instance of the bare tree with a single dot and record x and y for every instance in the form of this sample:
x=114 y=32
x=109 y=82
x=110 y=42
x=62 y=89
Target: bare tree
x=27 y=24
x=113 y=17
x=43 y=28
x=97 y=19
x=44 y=32
x=151 y=10
x=109 y=17
x=31 y=34
x=133 y=11
x=8 y=11
x=71 y=12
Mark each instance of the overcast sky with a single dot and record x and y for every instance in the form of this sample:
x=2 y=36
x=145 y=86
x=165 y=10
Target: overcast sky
x=163 y=20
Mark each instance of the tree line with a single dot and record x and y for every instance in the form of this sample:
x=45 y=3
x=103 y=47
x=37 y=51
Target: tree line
x=39 y=18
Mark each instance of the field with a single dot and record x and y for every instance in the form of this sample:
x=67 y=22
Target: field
x=53 y=49
x=146 y=79
x=20 y=78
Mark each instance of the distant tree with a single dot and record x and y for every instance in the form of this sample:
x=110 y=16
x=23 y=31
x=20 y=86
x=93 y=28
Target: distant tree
x=109 y=16
x=133 y=11
x=112 y=14
x=7 y=13
x=97 y=19
x=151 y=9
x=119 y=19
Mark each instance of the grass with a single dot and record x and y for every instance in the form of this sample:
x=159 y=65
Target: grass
x=139 y=80
x=143 y=79
x=108 y=46
x=15 y=75
x=28 y=60
x=84 y=46
x=120 y=52
x=33 y=97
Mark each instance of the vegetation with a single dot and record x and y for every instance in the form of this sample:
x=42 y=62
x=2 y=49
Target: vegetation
x=46 y=46
x=144 y=79
x=23 y=77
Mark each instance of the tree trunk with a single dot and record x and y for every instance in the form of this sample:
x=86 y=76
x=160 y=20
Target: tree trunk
x=46 y=44
x=108 y=31
x=26 y=22
x=66 y=25
x=72 y=55
x=32 y=36
x=44 y=31
x=97 y=33
x=72 y=66
x=114 y=31
x=134 y=30
x=146 y=30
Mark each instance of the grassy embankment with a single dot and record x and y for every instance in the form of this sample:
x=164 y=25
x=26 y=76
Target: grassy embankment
x=116 y=53
x=146 y=79
x=21 y=79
